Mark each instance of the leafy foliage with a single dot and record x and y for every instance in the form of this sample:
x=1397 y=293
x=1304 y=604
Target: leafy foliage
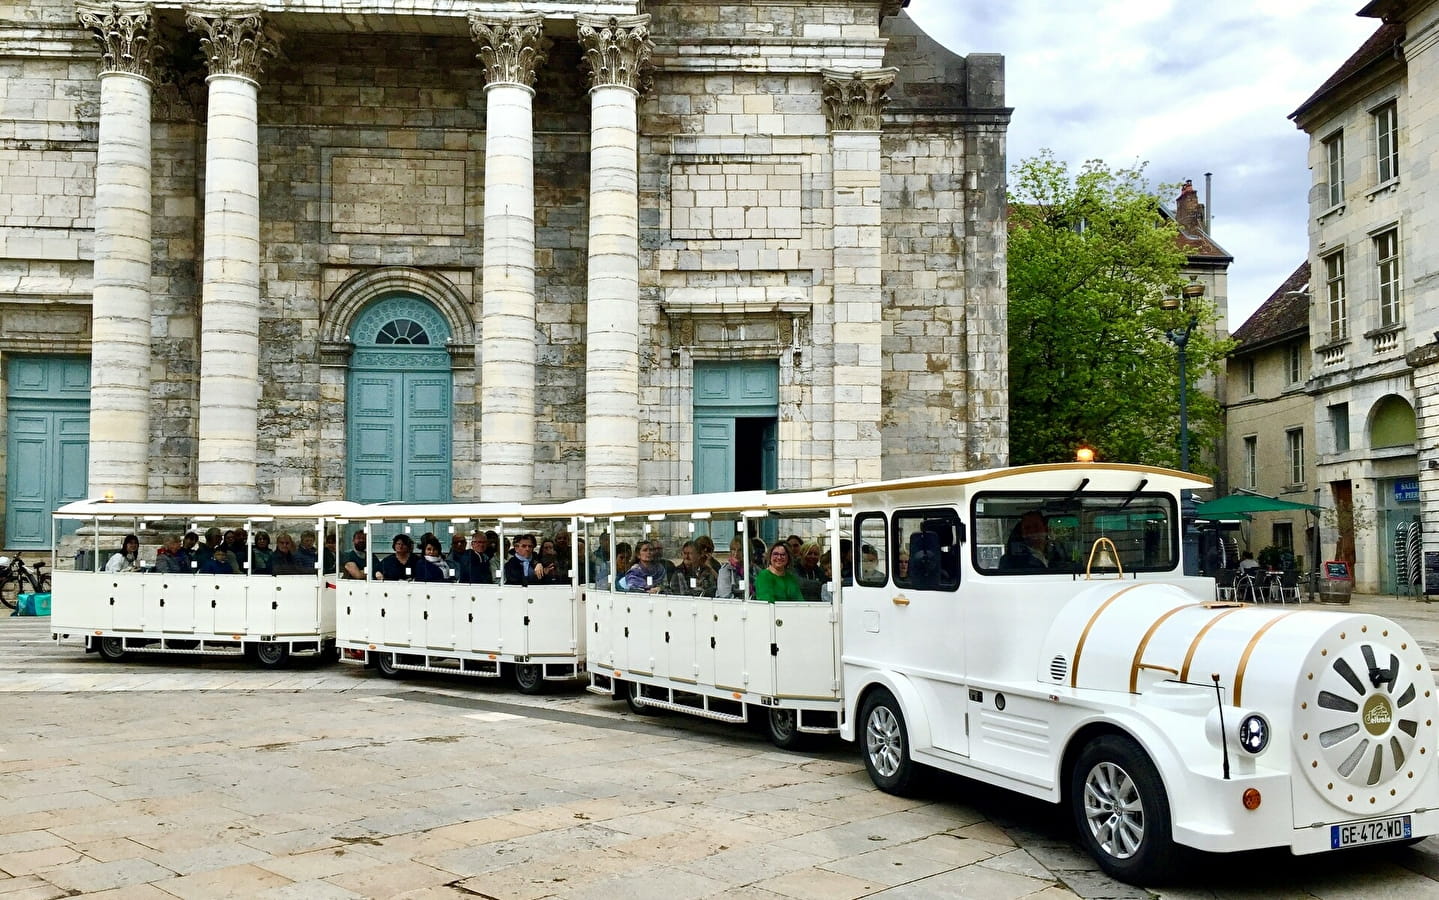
x=1090 y=259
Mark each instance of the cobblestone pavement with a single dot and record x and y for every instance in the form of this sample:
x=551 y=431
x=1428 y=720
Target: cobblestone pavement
x=177 y=777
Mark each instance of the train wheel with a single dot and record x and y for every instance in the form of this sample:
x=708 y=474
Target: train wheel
x=781 y=726
x=271 y=656
x=530 y=679
x=632 y=691
x=112 y=649
x=886 y=745
x=1121 y=811
x=385 y=663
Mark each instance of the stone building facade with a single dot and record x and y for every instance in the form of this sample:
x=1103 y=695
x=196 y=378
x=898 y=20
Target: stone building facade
x=1374 y=315
x=1269 y=417
x=309 y=250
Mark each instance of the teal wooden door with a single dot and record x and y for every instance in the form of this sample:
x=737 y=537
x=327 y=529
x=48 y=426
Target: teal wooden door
x=47 y=444
x=399 y=404
x=736 y=426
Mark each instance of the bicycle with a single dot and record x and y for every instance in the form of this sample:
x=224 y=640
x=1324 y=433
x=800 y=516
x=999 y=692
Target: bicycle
x=16 y=577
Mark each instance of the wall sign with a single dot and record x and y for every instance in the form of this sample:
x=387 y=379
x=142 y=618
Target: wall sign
x=1406 y=490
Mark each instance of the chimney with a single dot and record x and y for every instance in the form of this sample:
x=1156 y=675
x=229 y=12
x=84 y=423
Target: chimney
x=1188 y=210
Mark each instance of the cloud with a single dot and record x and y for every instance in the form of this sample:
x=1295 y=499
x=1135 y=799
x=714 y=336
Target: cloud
x=1189 y=89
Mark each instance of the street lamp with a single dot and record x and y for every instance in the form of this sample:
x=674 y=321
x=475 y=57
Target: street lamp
x=1180 y=338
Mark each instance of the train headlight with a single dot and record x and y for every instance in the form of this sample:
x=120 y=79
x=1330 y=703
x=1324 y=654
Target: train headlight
x=1254 y=733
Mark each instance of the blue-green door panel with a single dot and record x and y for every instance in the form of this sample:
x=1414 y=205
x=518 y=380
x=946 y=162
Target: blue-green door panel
x=727 y=395
x=714 y=455
x=47 y=445
x=400 y=412
x=745 y=383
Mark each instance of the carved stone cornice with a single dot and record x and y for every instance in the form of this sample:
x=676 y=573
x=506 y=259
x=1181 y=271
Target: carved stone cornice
x=235 y=40
x=511 y=47
x=125 y=35
x=617 y=50
x=854 y=99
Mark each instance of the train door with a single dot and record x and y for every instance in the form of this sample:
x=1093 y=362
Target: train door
x=925 y=546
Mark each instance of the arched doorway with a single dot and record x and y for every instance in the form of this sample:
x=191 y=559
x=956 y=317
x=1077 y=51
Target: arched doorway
x=399 y=392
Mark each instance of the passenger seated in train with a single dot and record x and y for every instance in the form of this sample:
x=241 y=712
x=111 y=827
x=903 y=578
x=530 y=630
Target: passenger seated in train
x=127 y=559
x=171 y=559
x=776 y=582
x=357 y=561
x=286 y=560
x=214 y=537
x=261 y=554
x=474 y=566
x=706 y=548
x=307 y=549
x=524 y=567
x=648 y=574
x=218 y=563
x=624 y=556
x=405 y=565
x=730 y=585
x=870 y=571
x=1030 y=548
x=434 y=554
x=808 y=570
x=692 y=578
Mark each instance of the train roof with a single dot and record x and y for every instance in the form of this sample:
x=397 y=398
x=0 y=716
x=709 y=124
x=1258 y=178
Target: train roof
x=1054 y=476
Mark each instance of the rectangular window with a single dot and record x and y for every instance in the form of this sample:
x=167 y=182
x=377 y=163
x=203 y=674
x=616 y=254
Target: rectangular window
x=1294 y=438
x=1386 y=141
x=1247 y=374
x=1282 y=535
x=1339 y=422
x=928 y=541
x=1035 y=533
x=1250 y=462
x=1386 y=252
x=1296 y=363
x=872 y=537
x=1334 y=163
x=1338 y=302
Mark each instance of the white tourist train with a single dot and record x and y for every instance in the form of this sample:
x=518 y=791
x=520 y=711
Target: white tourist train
x=1027 y=627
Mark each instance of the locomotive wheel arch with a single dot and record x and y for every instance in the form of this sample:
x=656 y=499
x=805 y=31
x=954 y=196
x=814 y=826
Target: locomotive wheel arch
x=909 y=703
x=1161 y=753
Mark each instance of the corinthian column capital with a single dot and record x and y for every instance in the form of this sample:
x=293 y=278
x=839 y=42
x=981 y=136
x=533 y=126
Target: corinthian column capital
x=617 y=49
x=854 y=99
x=511 y=47
x=234 y=39
x=125 y=35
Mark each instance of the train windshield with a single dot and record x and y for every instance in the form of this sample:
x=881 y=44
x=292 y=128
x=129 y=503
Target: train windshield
x=1033 y=533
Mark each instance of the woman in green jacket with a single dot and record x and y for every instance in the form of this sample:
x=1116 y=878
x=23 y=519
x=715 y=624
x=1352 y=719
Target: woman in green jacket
x=777 y=581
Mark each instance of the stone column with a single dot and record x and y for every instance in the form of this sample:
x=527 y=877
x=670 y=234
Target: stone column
x=120 y=310
x=854 y=101
x=235 y=43
x=511 y=49
x=616 y=50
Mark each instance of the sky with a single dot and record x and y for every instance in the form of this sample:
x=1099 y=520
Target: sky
x=1187 y=87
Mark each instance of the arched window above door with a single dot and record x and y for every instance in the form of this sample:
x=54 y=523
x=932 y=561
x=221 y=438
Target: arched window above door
x=402 y=331
x=400 y=320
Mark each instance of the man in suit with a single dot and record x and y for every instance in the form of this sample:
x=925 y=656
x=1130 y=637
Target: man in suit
x=524 y=567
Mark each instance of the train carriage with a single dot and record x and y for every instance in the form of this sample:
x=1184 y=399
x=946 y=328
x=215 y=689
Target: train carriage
x=141 y=608
x=533 y=632
x=709 y=649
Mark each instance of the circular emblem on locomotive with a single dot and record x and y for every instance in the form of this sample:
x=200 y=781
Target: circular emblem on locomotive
x=1378 y=714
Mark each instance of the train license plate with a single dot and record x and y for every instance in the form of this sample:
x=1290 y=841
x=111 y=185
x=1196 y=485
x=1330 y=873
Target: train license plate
x=1376 y=831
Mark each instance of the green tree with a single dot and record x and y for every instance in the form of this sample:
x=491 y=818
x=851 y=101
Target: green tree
x=1090 y=260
